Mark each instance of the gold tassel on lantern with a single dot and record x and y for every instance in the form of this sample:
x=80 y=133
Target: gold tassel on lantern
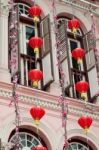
x=84 y=96
x=36 y=122
x=79 y=61
x=74 y=31
x=86 y=131
x=36 y=19
x=36 y=50
x=35 y=84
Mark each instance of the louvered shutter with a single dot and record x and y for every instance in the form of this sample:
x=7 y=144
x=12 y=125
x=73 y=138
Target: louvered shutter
x=46 y=51
x=13 y=40
x=0 y=143
x=64 y=52
x=89 y=46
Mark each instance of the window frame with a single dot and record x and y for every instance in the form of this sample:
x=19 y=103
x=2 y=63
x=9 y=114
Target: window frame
x=82 y=72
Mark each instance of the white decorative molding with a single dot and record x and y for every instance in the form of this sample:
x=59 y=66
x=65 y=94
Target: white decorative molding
x=4 y=9
x=54 y=105
x=83 y=4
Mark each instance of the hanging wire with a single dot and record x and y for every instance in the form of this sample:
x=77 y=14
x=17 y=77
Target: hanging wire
x=64 y=106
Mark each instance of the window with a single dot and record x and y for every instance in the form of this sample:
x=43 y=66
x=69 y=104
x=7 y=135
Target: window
x=76 y=146
x=26 y=141
x=25 y=56
x=23 y=9
x=73 y=72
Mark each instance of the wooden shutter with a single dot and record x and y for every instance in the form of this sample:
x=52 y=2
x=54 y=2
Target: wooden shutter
x=13 y=40
x=89 y=47
x=64 y=52
x=0 y=144
x=46 y=51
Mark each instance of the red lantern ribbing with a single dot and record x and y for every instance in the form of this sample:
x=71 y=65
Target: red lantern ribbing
x=35 y=43
x=78 y=54
x=85 y=122
x=82 y=88
x=74 y=25
x=35 y=75
x=35 y=13
x=37 y=113
x=39 y=148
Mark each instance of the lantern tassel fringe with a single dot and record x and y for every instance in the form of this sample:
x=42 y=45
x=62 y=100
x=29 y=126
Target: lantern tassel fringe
x=36 y=122
x=84 y=96
x=36 y=19
x=86 y=131
x=36 y=50
x=35 y=84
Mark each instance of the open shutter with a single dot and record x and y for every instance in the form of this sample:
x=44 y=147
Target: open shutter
x=62 y=29
x=13 y=41
x=46 y=51
x=89 y=46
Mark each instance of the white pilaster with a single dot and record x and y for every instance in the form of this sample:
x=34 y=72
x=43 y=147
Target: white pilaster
x=4 y=72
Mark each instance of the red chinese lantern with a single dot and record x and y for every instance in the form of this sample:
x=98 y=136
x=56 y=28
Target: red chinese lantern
x=35 y=75
x=39 y=148
x=37 y=113
x=78 y=54
x=35 y=12
x=82 y=88
x=35 y=43
x=85 y=122
x=74 y=25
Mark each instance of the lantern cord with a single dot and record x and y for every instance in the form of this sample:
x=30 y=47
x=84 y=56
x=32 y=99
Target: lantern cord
x=36 y=33
x=33 y=1
x=64 y=105
x=38 y=133
x=80 y=76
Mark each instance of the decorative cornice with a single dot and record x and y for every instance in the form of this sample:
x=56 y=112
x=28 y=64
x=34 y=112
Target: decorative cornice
x=53 y=105
x=83 y=4
x=4 y=9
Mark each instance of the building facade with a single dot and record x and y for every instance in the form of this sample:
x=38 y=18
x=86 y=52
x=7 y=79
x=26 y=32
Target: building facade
x=20 y=58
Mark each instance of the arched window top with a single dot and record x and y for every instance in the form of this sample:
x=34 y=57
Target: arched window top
x=62 y=19
x=23 y=9
x=77 y=146
x=26 y=140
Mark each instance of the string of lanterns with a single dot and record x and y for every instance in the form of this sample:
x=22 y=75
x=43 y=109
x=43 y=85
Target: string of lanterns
x=35 y=75
x=81 y=86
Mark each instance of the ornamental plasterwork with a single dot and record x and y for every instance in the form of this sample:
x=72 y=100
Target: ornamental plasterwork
x=4 y=9
x=72 y=109
x=83 y=5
